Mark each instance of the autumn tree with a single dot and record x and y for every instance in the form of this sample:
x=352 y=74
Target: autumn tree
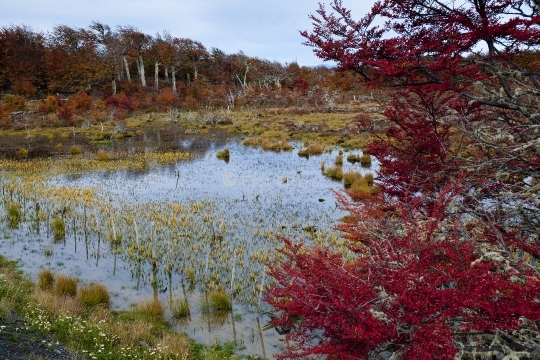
x=22 y=59
x=445 y=255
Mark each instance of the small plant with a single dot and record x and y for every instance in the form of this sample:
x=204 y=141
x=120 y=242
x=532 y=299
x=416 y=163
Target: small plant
x=369 y=179
x=102 y=155
x=353 y=158
x=151 y=309
x=219 y=301
x=303 y=153
x=48 y=251
x=365 y=160
x=22 y=153
x=190 y=276
x=66 y=286
x=58 y=227
x=350 y=177
x=74 y=150
x=223 y=154
x=181 y=309
x=46 y=279
x=334 y=173
x=13 y=213
x=323 y=164
x=93 y=295
x=339 y=160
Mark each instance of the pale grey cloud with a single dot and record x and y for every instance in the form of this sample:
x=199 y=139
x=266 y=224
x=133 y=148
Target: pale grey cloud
x=267 y=29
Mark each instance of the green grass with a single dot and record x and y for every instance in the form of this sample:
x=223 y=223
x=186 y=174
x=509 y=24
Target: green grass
x=219 y=301
x=334 y=173
x=58 y=227
x=181 y=309
x=223 y=154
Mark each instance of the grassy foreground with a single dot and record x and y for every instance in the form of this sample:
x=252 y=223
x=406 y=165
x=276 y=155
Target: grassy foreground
x=87 y=330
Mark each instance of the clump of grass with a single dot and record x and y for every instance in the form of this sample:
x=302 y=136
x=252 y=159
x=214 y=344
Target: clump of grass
x=369 y=179
x=219 y=301
x=303 y=153
x=334 y=173
x=339 y=160
x=323 y=164
x=46 y=279
x=58 y=227
x=13 y=213
x=93 y=295
x=190 y=276
x=102 y=155
x=22 y=153
x=74 y=150
x=181 y=309
x=353 y=158
x=65 y=286
x=361 y=189
x=223 y=154
x=315 y=149
x=349 y=177
x=151 y=309
x=365 y=160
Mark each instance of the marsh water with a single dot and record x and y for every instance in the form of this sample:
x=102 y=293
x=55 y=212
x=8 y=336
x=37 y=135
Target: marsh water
x=233 y=214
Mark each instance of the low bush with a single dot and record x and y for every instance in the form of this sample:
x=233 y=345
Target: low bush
x=46 y=279
x=65 y=286
x=93 y=295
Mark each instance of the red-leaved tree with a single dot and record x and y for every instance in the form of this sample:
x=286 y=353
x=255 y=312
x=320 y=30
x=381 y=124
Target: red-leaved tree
x=446 y=255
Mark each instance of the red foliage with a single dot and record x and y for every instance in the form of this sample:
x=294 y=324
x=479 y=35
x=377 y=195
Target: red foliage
x=120 y=101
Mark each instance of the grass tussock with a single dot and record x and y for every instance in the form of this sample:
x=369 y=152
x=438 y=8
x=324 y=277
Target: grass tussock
x=267 y=144
x=93 y=295
x=22 y=154
x=58 y=227
x=350 y=177
x=365 y=160
x=13 y=214
x=353 y=158
x=150 y=309
x=181 y=309
x=58 y=305
x=224 y=154
x=102 y=155
x=65 y=286
x=46 y=279
x=74 y=150
x=334 y=173
x=219 y=301
x=339 y=160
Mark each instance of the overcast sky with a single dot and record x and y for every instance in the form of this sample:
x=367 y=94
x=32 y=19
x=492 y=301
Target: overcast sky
x=267 y=29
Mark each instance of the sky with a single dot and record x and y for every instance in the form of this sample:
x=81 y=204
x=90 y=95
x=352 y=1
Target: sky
x=267 y=29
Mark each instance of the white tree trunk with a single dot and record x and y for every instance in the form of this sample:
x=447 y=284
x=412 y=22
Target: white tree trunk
x=173 y=73
x=166 y=74
x=126 y=65
x=141 y=70
x=114 y=86
x=156 y=73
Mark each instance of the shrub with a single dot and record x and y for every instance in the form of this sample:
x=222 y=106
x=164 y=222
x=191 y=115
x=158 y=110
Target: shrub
x=219 y=301
x=14 y=102
x=58 y=227
x=49 y=105
x=93 y=295
x=102 y=155
x=223 y=154
x=46 y=279
x=81 y=100
x=74 y=150
x=66 y=286
x=334 y=173
x=151 y=308
x=181 y=309
x=315 y=149
x=339 y=160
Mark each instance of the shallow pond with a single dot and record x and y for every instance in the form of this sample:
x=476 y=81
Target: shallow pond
x=210 y=224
